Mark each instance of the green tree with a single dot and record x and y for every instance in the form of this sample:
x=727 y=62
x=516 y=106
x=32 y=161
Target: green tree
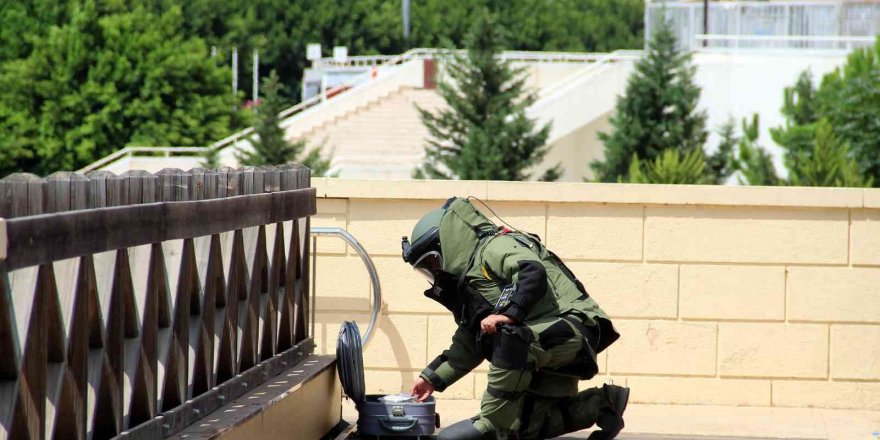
x=24 y=22
x=657 y=111
x=484 y=133
x=269 y=147
x=800 y=112
x=753 y=162
x=670 y=168
x=849 y=98
x=108 y=78
x=828 y=164
x=721 y=163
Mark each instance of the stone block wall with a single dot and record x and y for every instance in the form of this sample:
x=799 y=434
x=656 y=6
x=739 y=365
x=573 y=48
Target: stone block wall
x=723 y=295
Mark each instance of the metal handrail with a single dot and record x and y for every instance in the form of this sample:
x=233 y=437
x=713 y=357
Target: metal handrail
x=563 y=87
x=371 y=269
x=520 y=55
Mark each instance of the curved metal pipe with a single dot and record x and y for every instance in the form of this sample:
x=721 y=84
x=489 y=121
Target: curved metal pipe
x=371 y=269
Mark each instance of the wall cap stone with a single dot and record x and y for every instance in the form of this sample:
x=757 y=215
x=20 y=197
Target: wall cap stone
x=617 y=193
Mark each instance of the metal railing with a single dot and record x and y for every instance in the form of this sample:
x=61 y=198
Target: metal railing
x=813 y=18
x=376 y=305
x=576 y=79
x=520 y=56
x=135 y=305
x=713 y=41
x=143 y=151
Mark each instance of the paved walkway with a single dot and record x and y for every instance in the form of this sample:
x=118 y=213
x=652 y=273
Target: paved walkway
x=693 y=422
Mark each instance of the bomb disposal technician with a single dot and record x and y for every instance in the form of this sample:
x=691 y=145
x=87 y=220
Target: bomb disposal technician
x=518 y=306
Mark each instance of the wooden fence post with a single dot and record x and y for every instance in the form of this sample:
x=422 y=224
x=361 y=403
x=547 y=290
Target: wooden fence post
x=22 y=194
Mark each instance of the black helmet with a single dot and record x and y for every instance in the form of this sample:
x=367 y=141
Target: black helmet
x=424 y=251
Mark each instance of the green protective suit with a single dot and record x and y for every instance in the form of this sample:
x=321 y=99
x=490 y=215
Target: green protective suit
x=535 y=364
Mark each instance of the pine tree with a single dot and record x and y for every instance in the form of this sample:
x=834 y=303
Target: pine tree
x=796 y=137
x=753 y=162
x=484 y=133
x=849 y=97
x=269 y=147
x=720 y=164
x=657 y=111
x=828 y=163
x=670 y=168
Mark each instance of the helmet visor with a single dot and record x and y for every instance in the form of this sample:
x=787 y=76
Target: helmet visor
x=429 y=264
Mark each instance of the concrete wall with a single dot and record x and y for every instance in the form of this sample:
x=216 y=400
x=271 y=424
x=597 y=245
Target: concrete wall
x=576 y=151
x=723 y=295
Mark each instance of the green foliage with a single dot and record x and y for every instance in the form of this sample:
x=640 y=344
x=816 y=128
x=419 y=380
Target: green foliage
x=721 y=163
x=670 y=168
x=551 y=174
x=753 y=162
x=799 y=110
x=849 y=98
x=484 y=133
x=826 y=162
x=21 y=22
x=268 y=142
x=657 y=111
x=829 y=163
x=105 y=80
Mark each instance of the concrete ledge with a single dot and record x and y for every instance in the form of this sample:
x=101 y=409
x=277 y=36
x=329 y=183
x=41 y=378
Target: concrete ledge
x=704 y=195
x=303 y=403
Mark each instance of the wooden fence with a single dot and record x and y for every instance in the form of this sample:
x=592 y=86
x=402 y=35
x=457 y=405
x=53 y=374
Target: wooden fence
x=137 y=304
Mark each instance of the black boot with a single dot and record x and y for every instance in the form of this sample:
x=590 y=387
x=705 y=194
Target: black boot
x=464 y=430
x=611 y=418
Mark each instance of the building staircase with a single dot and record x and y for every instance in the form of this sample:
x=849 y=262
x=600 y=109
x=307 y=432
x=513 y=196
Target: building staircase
x=384 y=138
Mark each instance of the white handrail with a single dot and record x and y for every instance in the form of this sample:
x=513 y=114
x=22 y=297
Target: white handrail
x=527 y=56
x=562 y=88
x=132 y=151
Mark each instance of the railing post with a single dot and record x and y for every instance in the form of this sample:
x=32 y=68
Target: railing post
x=67 y=191
x=138 y=186
x=22 y=194
x=173 y=185
x=105 y=189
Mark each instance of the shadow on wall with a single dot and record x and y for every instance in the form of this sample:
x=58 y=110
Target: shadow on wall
x=388 y=337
